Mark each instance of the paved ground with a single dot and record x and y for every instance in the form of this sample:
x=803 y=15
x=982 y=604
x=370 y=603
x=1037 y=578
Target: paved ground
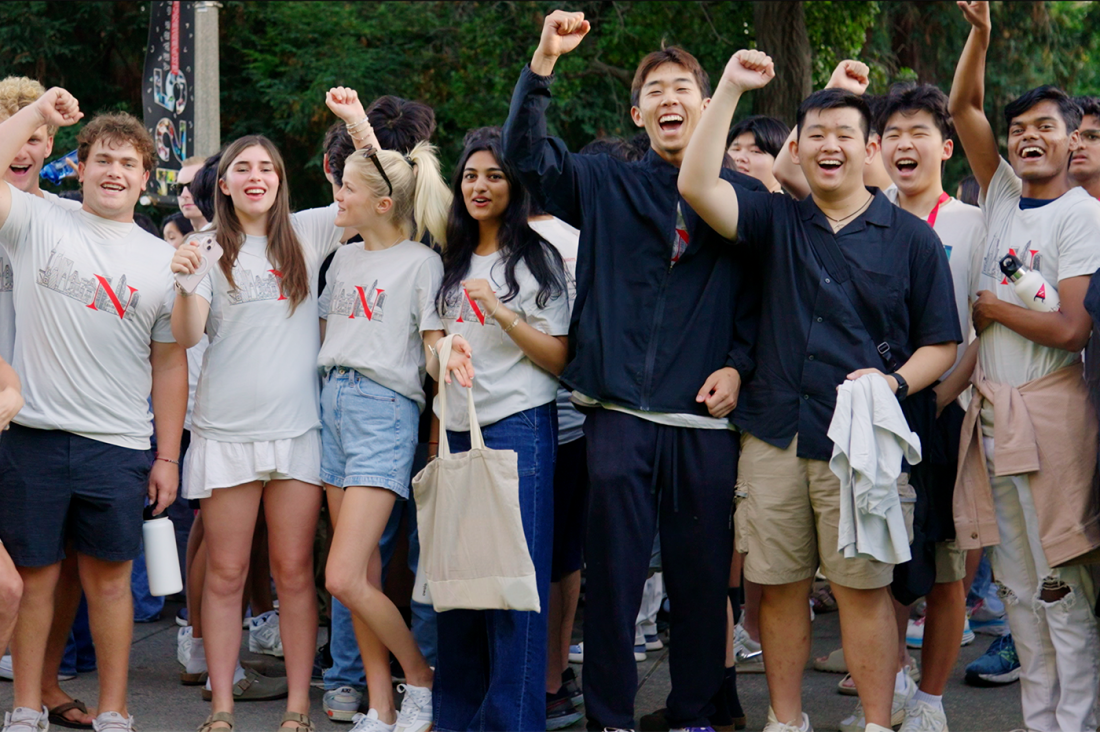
x=158 y=702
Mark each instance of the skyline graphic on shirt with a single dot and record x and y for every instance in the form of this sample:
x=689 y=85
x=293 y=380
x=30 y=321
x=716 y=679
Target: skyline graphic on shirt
x=253 y=287
x=7 y=278
x=991 y=263
x=358 y=301
x=97 y=292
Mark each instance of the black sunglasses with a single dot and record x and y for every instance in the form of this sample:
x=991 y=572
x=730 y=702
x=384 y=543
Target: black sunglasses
x=176 y=189
x=371 y=152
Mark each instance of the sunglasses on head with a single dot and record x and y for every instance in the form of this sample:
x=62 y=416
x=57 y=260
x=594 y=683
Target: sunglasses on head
x=372 y=152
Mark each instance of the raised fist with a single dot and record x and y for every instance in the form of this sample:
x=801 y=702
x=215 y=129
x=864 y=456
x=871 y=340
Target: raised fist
x=58 y=107
x=976 y=13
x=749 y=70
x=345 y=104
x=562 y=32
x=850 y=75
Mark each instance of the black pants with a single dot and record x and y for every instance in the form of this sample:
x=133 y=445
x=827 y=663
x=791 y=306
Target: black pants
x=637 y=470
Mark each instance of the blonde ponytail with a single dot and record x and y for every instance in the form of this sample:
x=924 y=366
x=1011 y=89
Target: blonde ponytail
x=432 y=198
x=421 y=198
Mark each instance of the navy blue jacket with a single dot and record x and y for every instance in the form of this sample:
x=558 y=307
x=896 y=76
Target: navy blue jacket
x=644 y=334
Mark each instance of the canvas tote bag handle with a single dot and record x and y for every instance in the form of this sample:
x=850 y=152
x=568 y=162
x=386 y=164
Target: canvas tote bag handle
x=477 y=442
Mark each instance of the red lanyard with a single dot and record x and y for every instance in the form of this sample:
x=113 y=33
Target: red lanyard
x=944 y=198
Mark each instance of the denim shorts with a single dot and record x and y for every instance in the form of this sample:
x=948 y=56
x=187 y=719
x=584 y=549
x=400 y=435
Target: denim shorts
x=57 y=487
x=368 y=433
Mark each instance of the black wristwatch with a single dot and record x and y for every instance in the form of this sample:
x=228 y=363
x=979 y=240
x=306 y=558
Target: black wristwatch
x=903 y=386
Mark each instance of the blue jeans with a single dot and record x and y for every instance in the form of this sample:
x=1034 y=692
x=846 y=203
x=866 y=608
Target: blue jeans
x=79 y=651
x=492 y=663
x=147 y=608
x=347 y=665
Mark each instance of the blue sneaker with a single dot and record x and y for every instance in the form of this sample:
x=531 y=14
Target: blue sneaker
x=999 y=665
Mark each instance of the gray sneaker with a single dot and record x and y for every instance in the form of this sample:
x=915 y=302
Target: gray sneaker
x=25 y=719
x=342 y=704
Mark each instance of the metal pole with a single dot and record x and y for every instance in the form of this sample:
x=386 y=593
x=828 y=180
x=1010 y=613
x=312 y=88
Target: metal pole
x=207 y=79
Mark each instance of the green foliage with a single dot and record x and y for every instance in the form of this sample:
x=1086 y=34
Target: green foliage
x=278 y=58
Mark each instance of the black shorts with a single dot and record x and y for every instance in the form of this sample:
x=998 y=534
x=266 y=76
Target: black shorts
x=570 y=508
x=57 y=487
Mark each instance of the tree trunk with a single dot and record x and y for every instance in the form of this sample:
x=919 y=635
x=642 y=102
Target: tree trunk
x=781 y=33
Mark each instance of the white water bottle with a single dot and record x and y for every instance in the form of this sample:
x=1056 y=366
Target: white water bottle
x=1030 y=286
x=162 y=562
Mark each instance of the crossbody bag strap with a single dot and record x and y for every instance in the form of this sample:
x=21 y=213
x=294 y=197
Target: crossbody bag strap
x=836 y=265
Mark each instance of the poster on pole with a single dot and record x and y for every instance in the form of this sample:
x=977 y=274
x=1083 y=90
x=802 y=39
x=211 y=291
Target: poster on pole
x=168 y=92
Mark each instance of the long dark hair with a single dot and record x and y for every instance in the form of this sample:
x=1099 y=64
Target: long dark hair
x=283 y=248
x=518 y=241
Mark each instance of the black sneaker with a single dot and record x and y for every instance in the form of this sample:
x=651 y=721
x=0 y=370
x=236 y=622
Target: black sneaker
x=572 y=687
x=560 y=712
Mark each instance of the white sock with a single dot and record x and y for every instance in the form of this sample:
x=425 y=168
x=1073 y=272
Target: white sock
x=930 y=699
x=237 y=676
x=899 y=681
x=196 y=664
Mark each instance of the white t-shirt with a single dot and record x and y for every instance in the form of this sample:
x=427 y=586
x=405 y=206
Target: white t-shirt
x=377 y=304
x=961 y=229
x=505 y=380
x=565 y=238
x=259 y=375
x=1061 y=239
x=7 y=306
x=90 y=297
x=194 y=366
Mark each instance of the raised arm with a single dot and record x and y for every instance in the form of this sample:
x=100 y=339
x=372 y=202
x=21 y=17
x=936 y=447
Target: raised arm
x=55 y=107
x=545 y=166
x=189 y=312
x=700 y=181
x=967 y=100
x=849 y=74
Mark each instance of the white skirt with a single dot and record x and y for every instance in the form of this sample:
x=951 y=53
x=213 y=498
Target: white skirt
x=212 y=464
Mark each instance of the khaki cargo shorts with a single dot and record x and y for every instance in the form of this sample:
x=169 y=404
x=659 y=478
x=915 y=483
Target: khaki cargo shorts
x=788 y=512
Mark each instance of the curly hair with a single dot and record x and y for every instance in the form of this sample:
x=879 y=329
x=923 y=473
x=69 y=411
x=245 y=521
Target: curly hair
x=117 y=128
x=17 y=92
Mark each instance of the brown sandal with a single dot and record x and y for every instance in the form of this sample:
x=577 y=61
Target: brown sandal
x=57 y=716
x=223 y=717
x=301 y=720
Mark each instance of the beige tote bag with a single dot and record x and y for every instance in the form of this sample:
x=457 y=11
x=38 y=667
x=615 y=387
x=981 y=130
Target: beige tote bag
x=473 y=554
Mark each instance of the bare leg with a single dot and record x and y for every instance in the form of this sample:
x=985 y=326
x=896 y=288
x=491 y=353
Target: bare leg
x=196 y=575
x=374 y=654
x=869 y=635
x=32 y=629
x=554 y=662
x=751 y=620
x=111 y=616
x=973 y=559
x=785 y=640
x=901 y=617
x=731 y=660
x=65 y=605
x=292 y=509
x=363 y=516
x=259 y=568
x=570 y=597
x=11 y=592
x=943 y=631
x=228 y=520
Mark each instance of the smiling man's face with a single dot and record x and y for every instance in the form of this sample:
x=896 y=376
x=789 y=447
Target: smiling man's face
x=1038 y=142
x=670 y=103
x=24 y=170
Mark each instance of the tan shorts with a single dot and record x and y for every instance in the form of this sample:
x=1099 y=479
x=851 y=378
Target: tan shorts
x=788 y=512
x=950 y=560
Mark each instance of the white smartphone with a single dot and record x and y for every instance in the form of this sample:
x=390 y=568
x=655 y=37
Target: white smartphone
x=211 y=252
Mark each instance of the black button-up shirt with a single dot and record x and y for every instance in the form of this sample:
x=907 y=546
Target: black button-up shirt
x=811 y=334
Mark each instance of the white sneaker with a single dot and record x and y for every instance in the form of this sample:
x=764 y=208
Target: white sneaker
x=25 y=719
x=370 y=722
x=342 y=704
x=923 y=717
x=113 y=722
x=746 y=651
x=416 y=709
x=264 y=636
x=774 y=725
x=857 y=722
x=7 y=672
x=184 y=639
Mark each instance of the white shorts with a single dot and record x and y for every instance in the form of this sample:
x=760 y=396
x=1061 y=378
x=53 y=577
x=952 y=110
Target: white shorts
x=211 y=464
